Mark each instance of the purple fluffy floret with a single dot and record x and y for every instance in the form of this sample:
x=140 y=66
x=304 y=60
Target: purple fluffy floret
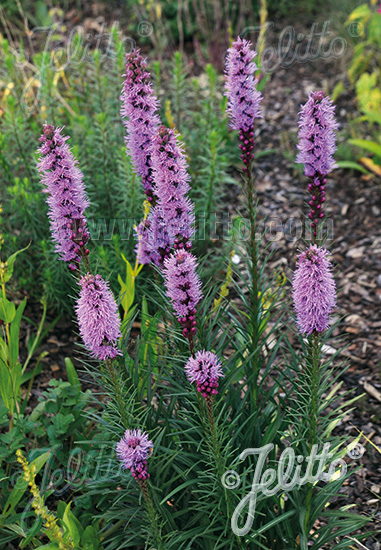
x=156 y=241
x=67 y=198
x=143 y=249
x=133 y=450
x=317 y=144
x=140 y=115
x=205 y=369
x=98 y=318
x=183 y=288
x=240 y=86
x=313 y=290
x=317 y=138
x=172 y=219
x=171 y=178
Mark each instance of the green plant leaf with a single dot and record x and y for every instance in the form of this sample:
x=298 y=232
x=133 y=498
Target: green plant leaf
x=374 y=28
x=72 y=375
x=371 y=146
x=11 y=262
x=361 y=12
x=90 y=539
x=7 y=310
x=352 y=166
x=50 y=546
x=127 y=292
x=15 y=329
x=5 y=384
x=72 y=524
x=337 y=91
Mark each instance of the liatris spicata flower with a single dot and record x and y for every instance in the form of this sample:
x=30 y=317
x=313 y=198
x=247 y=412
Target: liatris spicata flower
x=139 y=111
x=317 y=144
x=98 y=319
x=183 y=288
x=172 y=219
x=133 y=450
x=314 y=290
x=156 y=242
x=67 y=198
x=143 y=248
x=243 y=97
x=205 y=369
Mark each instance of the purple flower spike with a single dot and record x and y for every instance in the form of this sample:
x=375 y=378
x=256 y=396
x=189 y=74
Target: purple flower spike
x=314 y=290
x=243 y=98
x=172 y=218
x=133 y=450
x=183 y=288
x=98 y=319
x=205 y=369
x=144 y=253
x=139 y=111
x=67 y=198
x=317 y=144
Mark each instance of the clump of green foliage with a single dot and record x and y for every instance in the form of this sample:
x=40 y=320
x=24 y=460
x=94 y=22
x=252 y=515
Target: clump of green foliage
x=364 y=75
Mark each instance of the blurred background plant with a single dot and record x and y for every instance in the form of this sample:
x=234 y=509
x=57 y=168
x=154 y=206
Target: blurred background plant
x=364 y=75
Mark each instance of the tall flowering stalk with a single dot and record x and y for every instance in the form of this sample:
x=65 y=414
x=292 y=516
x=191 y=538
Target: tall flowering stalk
x=96 y=309
x=98 y=318
x=314 y=290
x=170 y=223
x=184 y=290
x=133 y=450
x=243 y=108
x=317 y=144
x=172 y=220
x=139 y=113
x=314 y=297
x=67 y=198
x=205 y=369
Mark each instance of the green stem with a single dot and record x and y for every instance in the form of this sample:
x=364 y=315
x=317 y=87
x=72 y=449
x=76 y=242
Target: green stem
x=211 y=180
x=38 y=335
x=217 y=453
x=312 y=367
x=118 y=394
x=151 y=512
x=253 y=254
x=112 y=529
x=213 y=433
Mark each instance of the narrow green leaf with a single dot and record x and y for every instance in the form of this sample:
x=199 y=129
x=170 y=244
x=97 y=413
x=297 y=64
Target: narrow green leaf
x=352 y=166
x=368 y=145
x=15 y=330
x=5 y=384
